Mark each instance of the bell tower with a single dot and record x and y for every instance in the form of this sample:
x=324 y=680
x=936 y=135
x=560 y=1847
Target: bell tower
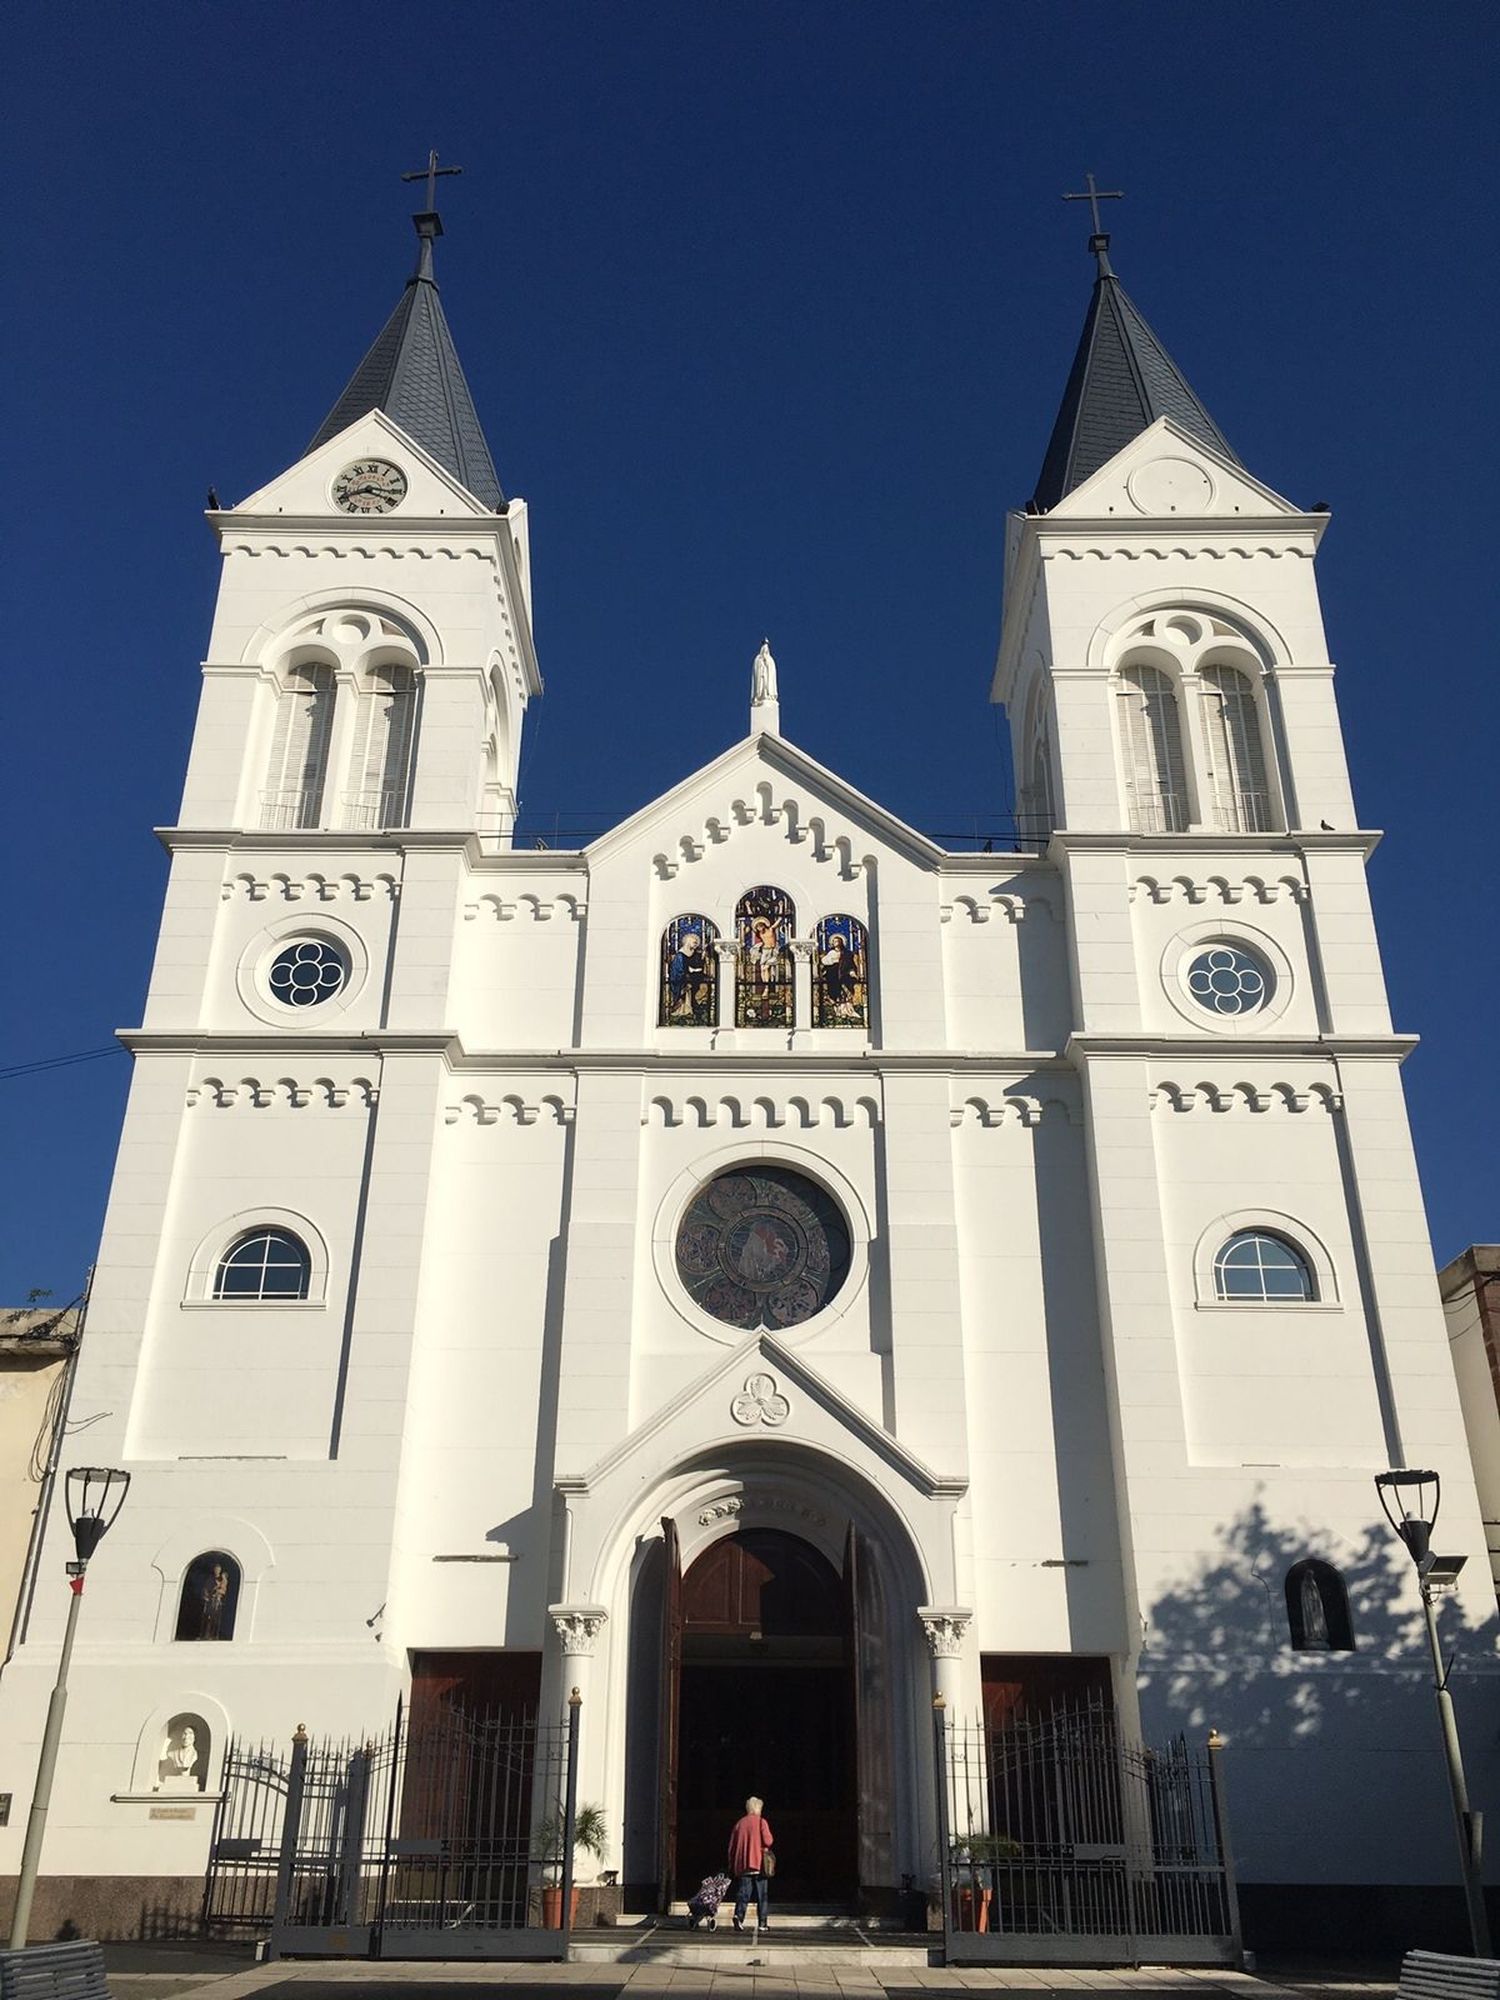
x=372 y=660
x=1163 y=660
x=1166 y=673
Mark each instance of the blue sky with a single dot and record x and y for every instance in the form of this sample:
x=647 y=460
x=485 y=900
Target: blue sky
x=767 y=309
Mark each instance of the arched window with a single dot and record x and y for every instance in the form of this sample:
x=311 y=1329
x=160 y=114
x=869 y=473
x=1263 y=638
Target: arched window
x=1151 y=739
x=765 y=922
x=1317 y=1608
x=689 y=974
x=210 y=1597
x=1261 y=1269
x=1236 y=755
x=841 y=990
x=269 y=1264
x=299 y=749
x=380 y=759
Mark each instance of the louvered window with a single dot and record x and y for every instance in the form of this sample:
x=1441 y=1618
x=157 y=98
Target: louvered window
x=1236 y=754
x=1151 y=737
x=381 y=755
x=299 y=749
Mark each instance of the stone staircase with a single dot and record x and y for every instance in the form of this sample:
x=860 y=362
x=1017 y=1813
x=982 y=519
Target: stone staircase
x=798 y=1934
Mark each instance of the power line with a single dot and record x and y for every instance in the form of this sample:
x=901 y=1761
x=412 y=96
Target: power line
x=60 y=1062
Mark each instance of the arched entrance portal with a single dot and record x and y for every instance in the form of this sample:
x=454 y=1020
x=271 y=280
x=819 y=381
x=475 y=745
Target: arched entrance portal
x=765 y=1702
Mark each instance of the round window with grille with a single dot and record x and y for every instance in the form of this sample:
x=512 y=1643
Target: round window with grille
x=1227 y=980
x=307 y=972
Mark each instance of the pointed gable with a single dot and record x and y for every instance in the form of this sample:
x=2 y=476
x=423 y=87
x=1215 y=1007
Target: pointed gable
x=412 y=373
x=1121 y=382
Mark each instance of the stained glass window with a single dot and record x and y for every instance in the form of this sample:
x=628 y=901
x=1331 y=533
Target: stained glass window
x=1263 y=1269
x=841 y=996
x=764 y=921
x=689 y=974
x=763 y=1246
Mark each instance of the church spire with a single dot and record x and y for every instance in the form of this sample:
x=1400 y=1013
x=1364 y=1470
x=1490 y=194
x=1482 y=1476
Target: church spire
x=413 y=373
x=1121 y=381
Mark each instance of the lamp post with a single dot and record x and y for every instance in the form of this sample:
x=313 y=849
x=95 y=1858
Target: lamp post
x=95 y=1495
x=1410 y=1500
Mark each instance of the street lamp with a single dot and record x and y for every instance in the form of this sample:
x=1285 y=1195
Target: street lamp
x=95 y=1494
x=1410 y=1499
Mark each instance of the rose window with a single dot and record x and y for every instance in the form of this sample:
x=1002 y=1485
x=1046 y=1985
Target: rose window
x=763 y=1246
x=307 y=972
x=1226 y=980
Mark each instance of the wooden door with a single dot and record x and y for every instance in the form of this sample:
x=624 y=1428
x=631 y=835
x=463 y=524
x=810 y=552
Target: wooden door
x=671 y=1682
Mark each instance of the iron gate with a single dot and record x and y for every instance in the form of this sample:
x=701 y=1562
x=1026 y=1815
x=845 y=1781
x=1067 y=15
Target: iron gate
x=450 y=1840
x=1064 y=1843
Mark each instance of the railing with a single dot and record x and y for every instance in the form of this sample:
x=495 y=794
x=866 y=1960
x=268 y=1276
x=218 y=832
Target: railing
x=1159 y=812
x=1244 y=812
x=450 y=1840
x=281 y=811
x=365 y=812
x=1065 y=1842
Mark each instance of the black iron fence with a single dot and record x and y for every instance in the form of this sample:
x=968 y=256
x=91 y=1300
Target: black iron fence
x=1064 y=1842
x=448 y=1840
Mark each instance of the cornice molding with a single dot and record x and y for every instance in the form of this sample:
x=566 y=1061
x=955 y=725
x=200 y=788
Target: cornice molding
x=1214 y=1053
x=696 y=1062
x=1355 y=841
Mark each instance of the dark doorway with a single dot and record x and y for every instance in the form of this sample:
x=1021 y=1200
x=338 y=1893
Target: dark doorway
x=766 y=1705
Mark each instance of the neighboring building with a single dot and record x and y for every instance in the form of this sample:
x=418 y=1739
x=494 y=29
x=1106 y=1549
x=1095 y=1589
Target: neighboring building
x=1470 y=1286
x=37 y=1346
x=516 y=1257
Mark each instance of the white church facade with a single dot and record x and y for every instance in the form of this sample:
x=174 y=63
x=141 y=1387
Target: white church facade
x=530 y=1270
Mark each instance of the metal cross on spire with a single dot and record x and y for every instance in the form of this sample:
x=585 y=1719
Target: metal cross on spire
x=1099 y=241
x=432 y=172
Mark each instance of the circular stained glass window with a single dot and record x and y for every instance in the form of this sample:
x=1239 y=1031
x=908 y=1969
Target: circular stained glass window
x=307 y=972
x=763 y=1246
x=1226 y=980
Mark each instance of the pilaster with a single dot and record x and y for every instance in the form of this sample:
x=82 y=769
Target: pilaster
x=921 y=1235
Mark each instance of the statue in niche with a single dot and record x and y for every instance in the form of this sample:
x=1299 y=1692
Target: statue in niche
x=210 y=1597
x=182 y=1764
x=1315 y=1634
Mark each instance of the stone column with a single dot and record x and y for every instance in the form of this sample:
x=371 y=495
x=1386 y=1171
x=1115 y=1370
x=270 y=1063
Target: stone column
x=729 y=960
x=802 y=958
x=578 y=1627
x=946 y=1627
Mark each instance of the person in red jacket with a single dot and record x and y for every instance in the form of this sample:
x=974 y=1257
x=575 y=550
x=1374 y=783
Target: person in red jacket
x=749 y=1842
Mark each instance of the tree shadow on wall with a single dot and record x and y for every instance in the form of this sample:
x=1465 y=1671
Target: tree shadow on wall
x=1334 y=1767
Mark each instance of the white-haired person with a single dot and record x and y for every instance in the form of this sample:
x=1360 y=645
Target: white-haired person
x=751 y=1863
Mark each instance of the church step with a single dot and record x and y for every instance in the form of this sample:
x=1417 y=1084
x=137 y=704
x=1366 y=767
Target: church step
x=809 y=1940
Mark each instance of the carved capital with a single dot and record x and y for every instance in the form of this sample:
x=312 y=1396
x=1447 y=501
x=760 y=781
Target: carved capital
x=946 y=1627
x=578 y=1626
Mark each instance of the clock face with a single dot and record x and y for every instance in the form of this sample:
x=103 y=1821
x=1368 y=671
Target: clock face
x=370 y=486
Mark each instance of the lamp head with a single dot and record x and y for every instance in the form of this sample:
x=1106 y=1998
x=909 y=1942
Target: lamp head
x=95 y=1495
x=1410 y=1499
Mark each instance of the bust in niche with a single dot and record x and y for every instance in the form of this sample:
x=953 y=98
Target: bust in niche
x=182 y=1764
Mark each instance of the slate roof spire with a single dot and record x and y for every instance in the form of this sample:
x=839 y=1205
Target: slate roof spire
x=413 y=373
x=1121 y=381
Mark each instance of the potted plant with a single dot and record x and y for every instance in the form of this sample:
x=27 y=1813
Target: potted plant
x=971 y=1898
x=588 y=1838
